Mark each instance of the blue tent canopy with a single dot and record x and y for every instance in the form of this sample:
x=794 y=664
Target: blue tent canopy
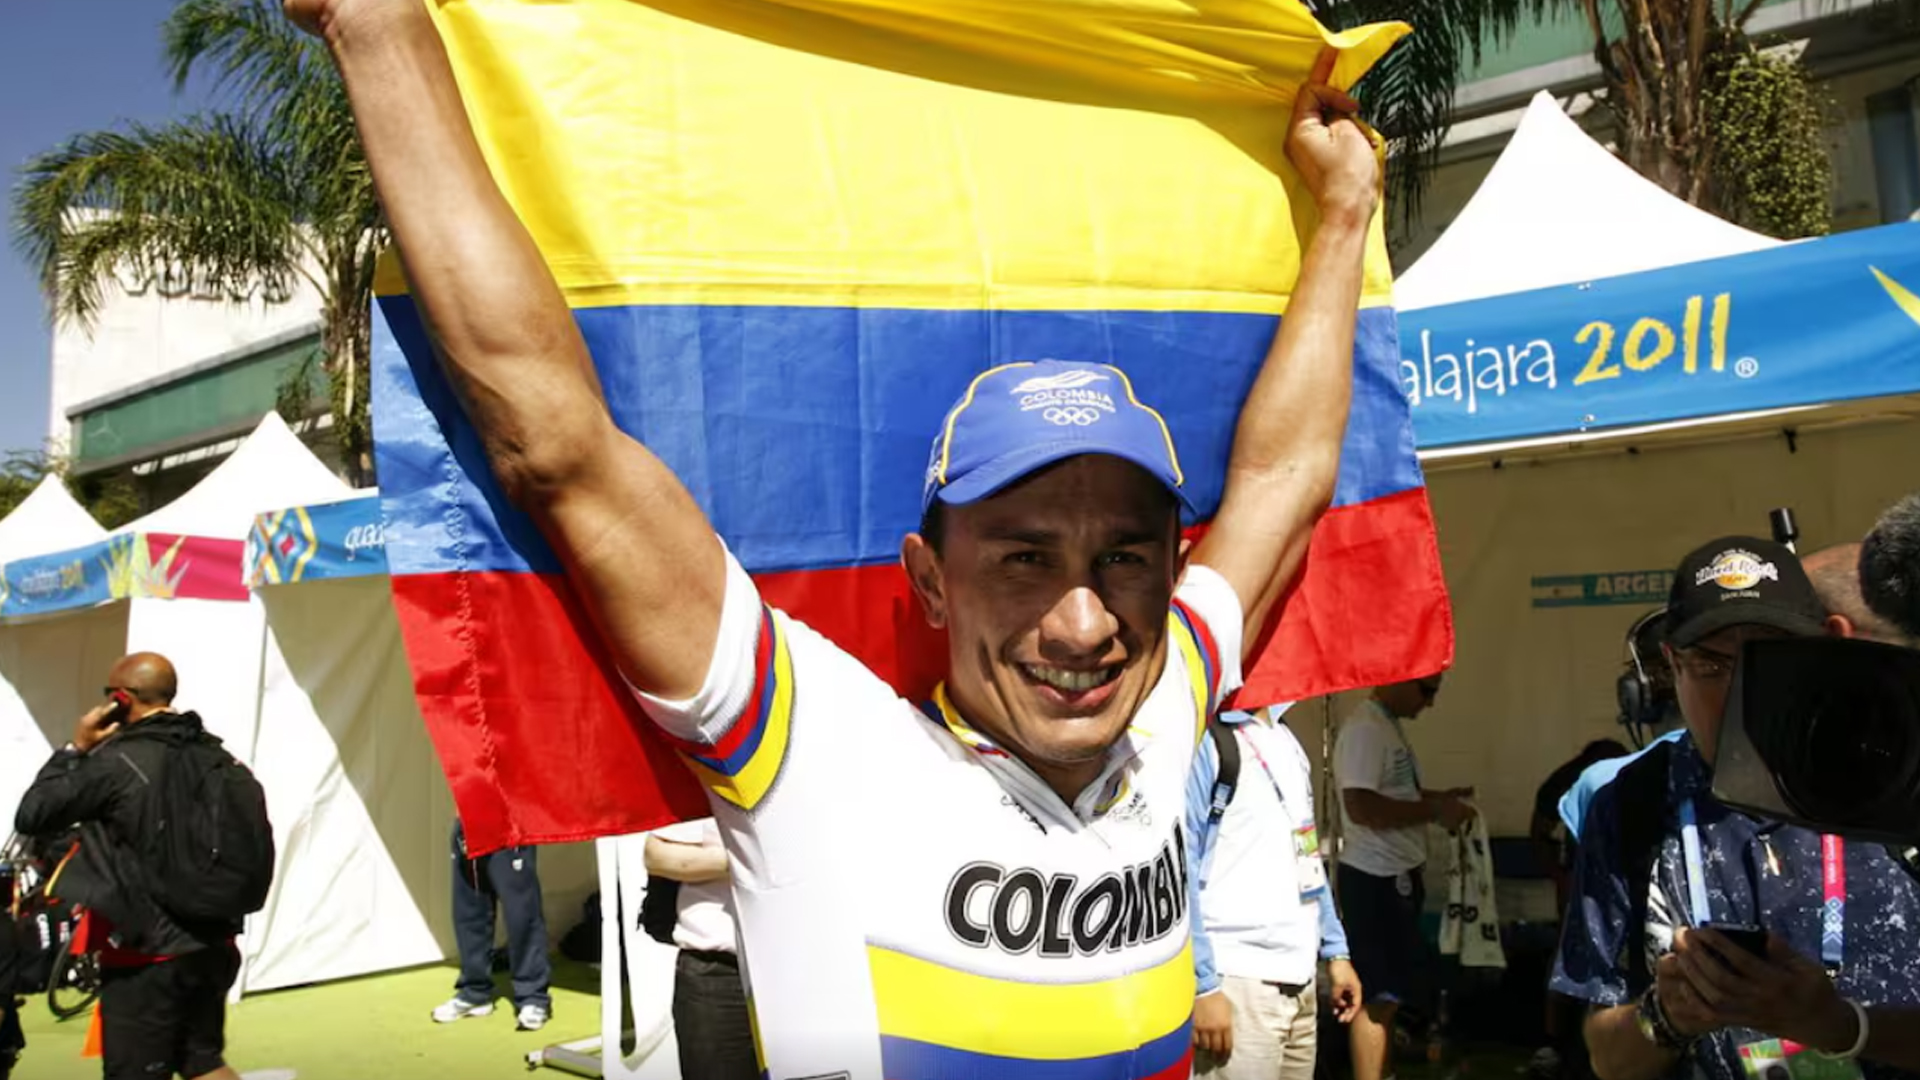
x=1816 y=322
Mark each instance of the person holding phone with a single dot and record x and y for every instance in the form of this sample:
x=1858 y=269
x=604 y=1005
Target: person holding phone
x=1710 y=943
x=164 y=976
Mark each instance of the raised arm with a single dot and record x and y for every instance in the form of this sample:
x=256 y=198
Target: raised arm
x=634 y=542
x=1286 y=448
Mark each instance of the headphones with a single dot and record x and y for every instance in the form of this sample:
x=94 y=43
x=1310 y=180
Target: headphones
x=1640 y=705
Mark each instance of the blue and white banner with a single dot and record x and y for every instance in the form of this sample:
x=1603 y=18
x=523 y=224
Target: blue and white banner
x=309 y=543
x=1800 y=324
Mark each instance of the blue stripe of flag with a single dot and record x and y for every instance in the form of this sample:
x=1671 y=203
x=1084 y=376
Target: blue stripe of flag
x=746 y=403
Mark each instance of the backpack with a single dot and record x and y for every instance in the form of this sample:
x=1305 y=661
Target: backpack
x=1640 y=793
x=208 y=850
x=1227 y=779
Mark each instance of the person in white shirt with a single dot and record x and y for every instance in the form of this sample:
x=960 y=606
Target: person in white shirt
x=712 y=1025
x=1383 y=849
x=1266 y=917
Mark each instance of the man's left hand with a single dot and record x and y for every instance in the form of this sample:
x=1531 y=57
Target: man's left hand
x=1784 y=995
x=1347 y=992
x=92 y=729
x=1333 y=154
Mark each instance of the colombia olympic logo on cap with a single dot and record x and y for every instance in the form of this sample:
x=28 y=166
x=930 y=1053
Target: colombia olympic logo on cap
x=1737 y=569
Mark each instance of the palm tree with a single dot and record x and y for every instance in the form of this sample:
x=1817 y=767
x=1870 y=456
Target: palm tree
x=248 y=200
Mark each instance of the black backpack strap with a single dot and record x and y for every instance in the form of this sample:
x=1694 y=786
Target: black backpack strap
x=1227 y=778
x=1640 y=794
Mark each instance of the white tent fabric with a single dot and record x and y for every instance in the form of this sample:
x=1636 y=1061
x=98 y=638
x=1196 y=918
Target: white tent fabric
x=1558 y=209
x=47 y=520
x=361 y=810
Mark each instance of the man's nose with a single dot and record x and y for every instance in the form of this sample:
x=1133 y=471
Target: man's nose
x=1077 y=626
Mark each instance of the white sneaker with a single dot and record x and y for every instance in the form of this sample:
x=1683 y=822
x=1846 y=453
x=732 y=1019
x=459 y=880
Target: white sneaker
x=533 y=1017
x=459 y=1009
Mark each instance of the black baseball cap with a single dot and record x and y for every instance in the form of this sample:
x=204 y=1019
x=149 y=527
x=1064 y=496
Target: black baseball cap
x=1741 y=581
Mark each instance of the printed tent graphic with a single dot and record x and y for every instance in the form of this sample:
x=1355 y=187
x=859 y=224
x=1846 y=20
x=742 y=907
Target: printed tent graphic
x=47 y=520
x=792 y=233
x=1574 y=296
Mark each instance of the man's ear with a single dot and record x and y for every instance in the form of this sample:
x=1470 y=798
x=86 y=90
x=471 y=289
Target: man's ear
x=1841 y=627
x=922 y=565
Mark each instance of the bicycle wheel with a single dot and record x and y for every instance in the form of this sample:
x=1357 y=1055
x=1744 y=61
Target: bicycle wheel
x=75 y=983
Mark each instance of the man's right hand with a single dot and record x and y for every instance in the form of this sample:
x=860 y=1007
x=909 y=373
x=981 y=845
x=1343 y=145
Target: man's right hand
x=1686 y=1010
x=1451 y=812
x=1213 y=1024
x=94 y=728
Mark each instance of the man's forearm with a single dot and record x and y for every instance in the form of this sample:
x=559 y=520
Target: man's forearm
x=508 y=339
x=689 y=864
x=1893 y=1037
x=1375 y=811
x=1619 y=1050
x=1286 y=448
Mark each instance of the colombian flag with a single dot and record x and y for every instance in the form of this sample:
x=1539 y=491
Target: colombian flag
x=792 y=232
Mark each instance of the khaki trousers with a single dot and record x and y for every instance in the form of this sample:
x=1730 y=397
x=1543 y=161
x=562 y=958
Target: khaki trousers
x=1275 y=1034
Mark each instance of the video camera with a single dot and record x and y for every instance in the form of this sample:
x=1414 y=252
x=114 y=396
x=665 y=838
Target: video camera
x=1824 y=733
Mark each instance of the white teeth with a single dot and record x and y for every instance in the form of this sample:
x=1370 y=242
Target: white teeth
x=1069 y=681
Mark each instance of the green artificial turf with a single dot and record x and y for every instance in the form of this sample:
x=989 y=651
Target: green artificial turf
x=355 y=1030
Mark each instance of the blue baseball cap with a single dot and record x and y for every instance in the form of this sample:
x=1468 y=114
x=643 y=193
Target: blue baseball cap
x=1018 y=418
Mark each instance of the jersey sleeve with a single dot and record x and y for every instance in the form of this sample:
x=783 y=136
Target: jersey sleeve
x=1360 y=755
x=1593 y=942
x=733 y=733
x=1207 y=610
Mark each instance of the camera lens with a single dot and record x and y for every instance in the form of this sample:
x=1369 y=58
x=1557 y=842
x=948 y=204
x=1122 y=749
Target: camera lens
x=1847 y=749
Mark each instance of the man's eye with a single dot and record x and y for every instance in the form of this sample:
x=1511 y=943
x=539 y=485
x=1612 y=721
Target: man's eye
x=1121 y=558
x=1024 y=558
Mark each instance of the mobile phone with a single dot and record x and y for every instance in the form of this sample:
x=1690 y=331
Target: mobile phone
x=122 y=701
x=1747 y=936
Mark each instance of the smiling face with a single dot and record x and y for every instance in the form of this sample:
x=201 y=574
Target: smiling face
x=1055 y=593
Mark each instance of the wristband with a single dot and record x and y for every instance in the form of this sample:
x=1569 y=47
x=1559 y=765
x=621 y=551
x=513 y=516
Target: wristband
x=1656 y=1027
x=1860 y=1043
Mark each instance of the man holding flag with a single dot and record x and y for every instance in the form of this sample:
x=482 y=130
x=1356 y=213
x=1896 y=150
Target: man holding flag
x=1029 y=908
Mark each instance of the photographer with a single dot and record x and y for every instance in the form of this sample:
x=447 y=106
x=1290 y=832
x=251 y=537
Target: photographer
x=1693 y=925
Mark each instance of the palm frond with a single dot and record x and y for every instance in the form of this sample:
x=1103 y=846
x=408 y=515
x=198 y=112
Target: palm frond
x=1408 y=96
x=208 y=197
x=277 y=75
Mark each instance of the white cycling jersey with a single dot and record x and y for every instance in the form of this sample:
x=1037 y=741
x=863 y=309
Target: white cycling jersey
x=914 y=902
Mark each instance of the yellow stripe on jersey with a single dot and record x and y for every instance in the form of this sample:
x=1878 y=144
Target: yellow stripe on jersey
x=932 y=1003
x=751 y=770
x=1182 y=640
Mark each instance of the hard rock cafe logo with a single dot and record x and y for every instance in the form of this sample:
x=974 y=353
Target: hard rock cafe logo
x=1737 y=569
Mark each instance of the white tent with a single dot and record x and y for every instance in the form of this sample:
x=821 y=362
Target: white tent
x=1557 y=209
x=1554 y=544
x=361 y=809
x=56 y=657
x=47 y=520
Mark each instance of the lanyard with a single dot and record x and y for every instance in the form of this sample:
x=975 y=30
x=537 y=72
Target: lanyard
x=1833 y=912
x=1271 y=779
x=1833 y=884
